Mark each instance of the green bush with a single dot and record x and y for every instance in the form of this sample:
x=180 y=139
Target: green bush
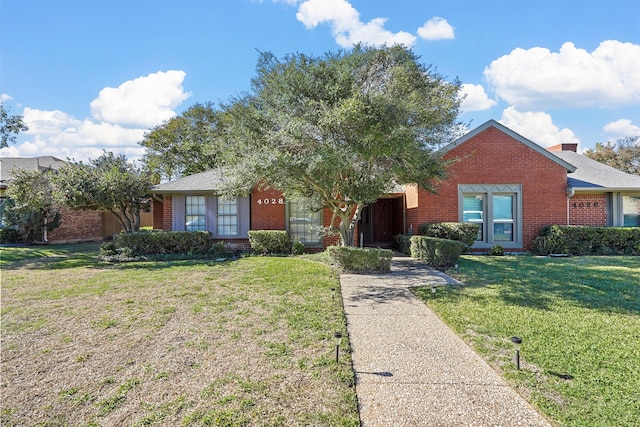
x=361 y=260
x=9 y=235
x=265 y=242
x=582 y=240
x=496 y=250
x=465 y=232
x=403 y=243
x=145 y=243
x=441 y=254
x=297 y=248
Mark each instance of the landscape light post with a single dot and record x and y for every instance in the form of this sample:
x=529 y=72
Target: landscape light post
x=338 y=338
x=517 y=342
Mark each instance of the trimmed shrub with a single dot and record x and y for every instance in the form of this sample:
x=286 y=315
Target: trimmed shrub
x=465 y=232
x=582 y=240
x=265 y=242
x=297 y=248
x=441 y=254
x=145 y=243
x=403 y=243
x=496 y=250
x=361 y=260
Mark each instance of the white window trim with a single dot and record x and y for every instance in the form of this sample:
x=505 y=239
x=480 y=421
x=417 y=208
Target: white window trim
x=489 y=190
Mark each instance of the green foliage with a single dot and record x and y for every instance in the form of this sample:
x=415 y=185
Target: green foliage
x=342 y=129
x=441 y=254
x=496 y=250
x=297 y=248
x=30 y=205
x=361 y=260
x=581 y=240
x=8 y=235
x=623 y=155
x=144 y=243
x=185 y=144
x=403 y=243
x=265 y=242
x=10 y=127
x=108 y=183
x=465 y=232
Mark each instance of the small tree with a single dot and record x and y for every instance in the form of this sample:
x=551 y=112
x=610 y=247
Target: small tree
x=343 y=129
x=31 y=207
x=623 y=155
x=10 y=127
x=109 y=184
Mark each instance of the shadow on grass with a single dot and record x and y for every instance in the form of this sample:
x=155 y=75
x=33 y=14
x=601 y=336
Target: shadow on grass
x=608 y=284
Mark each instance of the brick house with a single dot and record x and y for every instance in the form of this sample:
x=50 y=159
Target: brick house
x=507 y=184
x=76 y=226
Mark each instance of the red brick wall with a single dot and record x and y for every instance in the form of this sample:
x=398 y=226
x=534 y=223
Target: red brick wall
x=167 y=213
x=493 y=157
x=77 y=226
x=588 y=209
x=157 y=212
x=267 y=210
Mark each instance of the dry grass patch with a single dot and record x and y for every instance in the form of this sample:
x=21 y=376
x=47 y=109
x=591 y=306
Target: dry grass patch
x=173 y=343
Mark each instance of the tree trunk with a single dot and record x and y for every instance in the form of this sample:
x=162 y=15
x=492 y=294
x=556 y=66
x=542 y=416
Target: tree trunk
x=348 y=220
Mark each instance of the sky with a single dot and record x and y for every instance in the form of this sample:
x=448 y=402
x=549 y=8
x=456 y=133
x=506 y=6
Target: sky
x=90 y=76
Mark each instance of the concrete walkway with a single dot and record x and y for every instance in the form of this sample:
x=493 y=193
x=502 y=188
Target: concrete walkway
x=411 y=369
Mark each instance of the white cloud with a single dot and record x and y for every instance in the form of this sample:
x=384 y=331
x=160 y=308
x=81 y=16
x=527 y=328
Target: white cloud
x=436 y=28
x=346 y=25
x=142 y=102
x=476 y=98
x=120 y=119
x=571 y=77
x=621 y=128
x=5 y=97
x=537 y=127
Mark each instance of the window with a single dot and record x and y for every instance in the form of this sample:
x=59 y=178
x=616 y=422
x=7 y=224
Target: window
x=194 y=213
x=497 y=211
x=631 y=211
x=304 y=225
x=227 y=217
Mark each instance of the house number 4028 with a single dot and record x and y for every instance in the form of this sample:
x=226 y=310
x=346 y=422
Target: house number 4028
x=273 y=201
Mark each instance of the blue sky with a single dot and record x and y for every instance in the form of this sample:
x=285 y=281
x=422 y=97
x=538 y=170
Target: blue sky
x=94 y=75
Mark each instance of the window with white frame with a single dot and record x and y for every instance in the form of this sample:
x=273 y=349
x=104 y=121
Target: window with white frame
x=194 y=213
x=227 y=217
x=497 y=209
x=304 y=225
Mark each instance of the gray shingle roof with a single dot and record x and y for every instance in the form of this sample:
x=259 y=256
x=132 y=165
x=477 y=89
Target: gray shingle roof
x=209 y=182
x=9 y=164
x=593 y=175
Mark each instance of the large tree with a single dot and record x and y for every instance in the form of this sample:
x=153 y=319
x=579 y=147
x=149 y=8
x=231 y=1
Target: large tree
x=30 y=206
x=623 y=155
x=342 y=129
x=10 y=127
x=185 y=144
x=109 y=184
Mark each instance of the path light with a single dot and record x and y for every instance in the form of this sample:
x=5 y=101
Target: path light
x=433 y=290
x=338 y=337
x=517 y=342
x=333 y=293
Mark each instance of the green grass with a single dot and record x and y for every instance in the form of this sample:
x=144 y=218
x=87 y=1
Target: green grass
x=579 y=319
x=189 y=342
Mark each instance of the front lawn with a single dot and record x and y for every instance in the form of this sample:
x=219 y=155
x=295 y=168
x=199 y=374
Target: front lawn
x=248 y=342
x=579 y=320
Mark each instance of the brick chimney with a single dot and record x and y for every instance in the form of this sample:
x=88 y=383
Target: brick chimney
x=564 y=147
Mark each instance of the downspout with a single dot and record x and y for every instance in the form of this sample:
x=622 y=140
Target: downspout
x=45 y=230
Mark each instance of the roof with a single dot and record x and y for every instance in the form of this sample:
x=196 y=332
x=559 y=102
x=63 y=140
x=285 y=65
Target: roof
x=492 y=123
x=9 y=164
x=209 y=181
x=593 y=175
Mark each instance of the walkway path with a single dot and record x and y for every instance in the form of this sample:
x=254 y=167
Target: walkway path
x=411 y=369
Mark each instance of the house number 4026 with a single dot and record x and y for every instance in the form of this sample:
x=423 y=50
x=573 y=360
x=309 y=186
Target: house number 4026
x=585 y=204
x=273 y=201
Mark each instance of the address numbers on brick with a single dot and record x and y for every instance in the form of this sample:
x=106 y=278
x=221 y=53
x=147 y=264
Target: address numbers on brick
x=267 y=201
x=585 y=204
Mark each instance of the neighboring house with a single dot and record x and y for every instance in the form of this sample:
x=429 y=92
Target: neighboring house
x=76 y=226
x=507 y=184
